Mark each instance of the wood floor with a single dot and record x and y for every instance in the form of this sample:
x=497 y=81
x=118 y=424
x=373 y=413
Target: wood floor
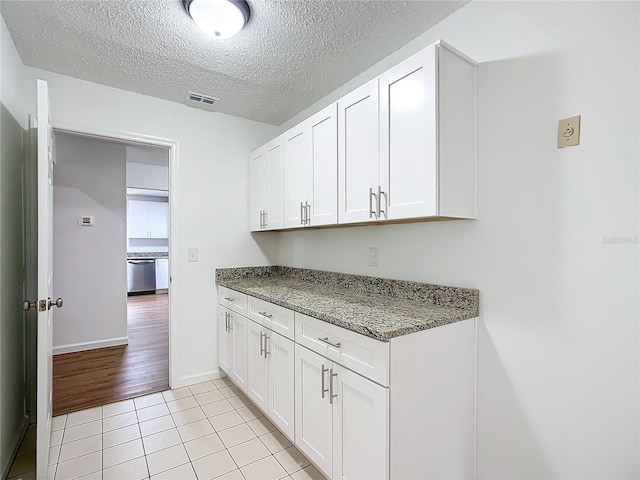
x=97 y=377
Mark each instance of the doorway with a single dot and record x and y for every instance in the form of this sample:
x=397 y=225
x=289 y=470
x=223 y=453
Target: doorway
x=108 y=346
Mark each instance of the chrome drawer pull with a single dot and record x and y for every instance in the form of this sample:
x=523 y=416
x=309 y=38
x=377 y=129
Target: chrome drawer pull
x=326 y=340
x=264 y=314
x=331 y=394
x=230 y=299
x=323 y=389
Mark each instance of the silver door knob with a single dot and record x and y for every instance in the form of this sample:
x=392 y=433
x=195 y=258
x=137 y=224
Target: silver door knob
x=27 y=305
x=57 y=303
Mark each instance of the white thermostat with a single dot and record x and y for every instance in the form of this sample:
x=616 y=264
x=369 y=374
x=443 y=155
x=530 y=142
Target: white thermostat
x=86 y=220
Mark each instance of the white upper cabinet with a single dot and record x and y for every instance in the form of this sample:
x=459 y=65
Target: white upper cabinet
x=311 y=169
x=267 y=186
x=428 y=136
x=406 y=149
x=147 y=219
x=358 y=157
x=259 y=188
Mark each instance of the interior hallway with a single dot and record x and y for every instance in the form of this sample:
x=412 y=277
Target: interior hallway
x=91 y=378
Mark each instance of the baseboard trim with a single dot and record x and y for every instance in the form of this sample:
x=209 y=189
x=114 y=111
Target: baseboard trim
x=198 y=378
x=80 y=347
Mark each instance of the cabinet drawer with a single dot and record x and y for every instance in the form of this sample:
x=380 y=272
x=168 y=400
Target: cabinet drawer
x=233 y=300
x=367 y=356
x=275 y=317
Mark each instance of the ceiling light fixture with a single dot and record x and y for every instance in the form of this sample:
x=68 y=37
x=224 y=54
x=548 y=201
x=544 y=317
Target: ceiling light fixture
x=219 y=18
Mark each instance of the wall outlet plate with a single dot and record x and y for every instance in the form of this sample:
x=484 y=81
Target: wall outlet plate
x=569 y=132
x=373 y=256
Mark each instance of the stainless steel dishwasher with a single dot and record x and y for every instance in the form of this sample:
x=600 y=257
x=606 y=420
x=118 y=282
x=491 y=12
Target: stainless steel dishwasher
x=141 y=276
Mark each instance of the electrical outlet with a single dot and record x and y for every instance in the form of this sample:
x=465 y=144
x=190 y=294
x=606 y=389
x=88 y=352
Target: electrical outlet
x=569 y=132
x=373 y=257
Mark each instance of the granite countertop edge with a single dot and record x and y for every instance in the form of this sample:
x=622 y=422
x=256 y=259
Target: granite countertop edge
x=146 y=255
x=384 y=320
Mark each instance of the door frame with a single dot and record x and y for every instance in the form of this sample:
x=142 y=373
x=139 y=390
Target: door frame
x=173 y=146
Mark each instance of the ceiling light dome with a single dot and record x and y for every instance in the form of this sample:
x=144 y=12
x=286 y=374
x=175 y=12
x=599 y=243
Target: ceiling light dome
x=219 y=18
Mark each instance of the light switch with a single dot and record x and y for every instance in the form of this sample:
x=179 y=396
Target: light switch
x=373 y=256
x=569 y=132
x=192 y=254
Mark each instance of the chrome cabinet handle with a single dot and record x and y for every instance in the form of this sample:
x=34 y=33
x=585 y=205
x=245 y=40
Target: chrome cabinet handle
x=308 y=210
x=323 y=390
x=302 y=219
x=264 y=221
x=372 y=212
x=331 y=394
x=262 y=349
x=379 y=200
x=266 y=350
x=230 y=299
x=226 y=322
x=327 y=341
x=265 y=314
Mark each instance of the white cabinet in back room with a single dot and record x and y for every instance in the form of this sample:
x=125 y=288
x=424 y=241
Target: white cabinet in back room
x=311 y=162
x=162 y=273
x=147 y=219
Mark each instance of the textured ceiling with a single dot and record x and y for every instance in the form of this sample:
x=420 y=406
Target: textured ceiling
x=290 y=54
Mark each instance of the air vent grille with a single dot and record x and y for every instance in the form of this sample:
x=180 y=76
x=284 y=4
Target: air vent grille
x=203 y=100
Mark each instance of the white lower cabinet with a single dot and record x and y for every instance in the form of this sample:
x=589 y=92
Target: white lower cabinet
x=233 y=346
x=342 y=419
x=270 y=376
x=357 y=407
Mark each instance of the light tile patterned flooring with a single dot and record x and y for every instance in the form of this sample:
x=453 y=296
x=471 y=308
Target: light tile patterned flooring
x=205 y=431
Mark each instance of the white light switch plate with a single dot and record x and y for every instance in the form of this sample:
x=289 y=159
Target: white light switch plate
x=192 y=254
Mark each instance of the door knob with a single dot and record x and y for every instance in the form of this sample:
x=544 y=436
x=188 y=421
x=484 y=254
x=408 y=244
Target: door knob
x=27 y=305
x=57 y=303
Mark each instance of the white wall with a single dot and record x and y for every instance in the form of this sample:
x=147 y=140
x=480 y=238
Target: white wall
x=558 y=347
x=13 y=120
x=153 y=177
x=89 y=262
x=212 y=199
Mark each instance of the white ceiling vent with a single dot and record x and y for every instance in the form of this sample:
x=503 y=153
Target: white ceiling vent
x=201 y=100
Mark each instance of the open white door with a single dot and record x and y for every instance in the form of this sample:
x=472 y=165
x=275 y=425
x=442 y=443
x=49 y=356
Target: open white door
x=45 y=261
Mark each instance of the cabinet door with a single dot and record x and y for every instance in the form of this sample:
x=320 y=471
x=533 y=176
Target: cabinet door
x=297 y=159
x=259 y=188
x=162 y=273
x=360 y=417
x=158 y=219
x=239 y=352
x=280 y=351
x=323 y=136
x=313 y=412
x=225 y=327
x=408 y=133
x=275 y=172
x=258 y=370
x=138 y=219
x=357 y=153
